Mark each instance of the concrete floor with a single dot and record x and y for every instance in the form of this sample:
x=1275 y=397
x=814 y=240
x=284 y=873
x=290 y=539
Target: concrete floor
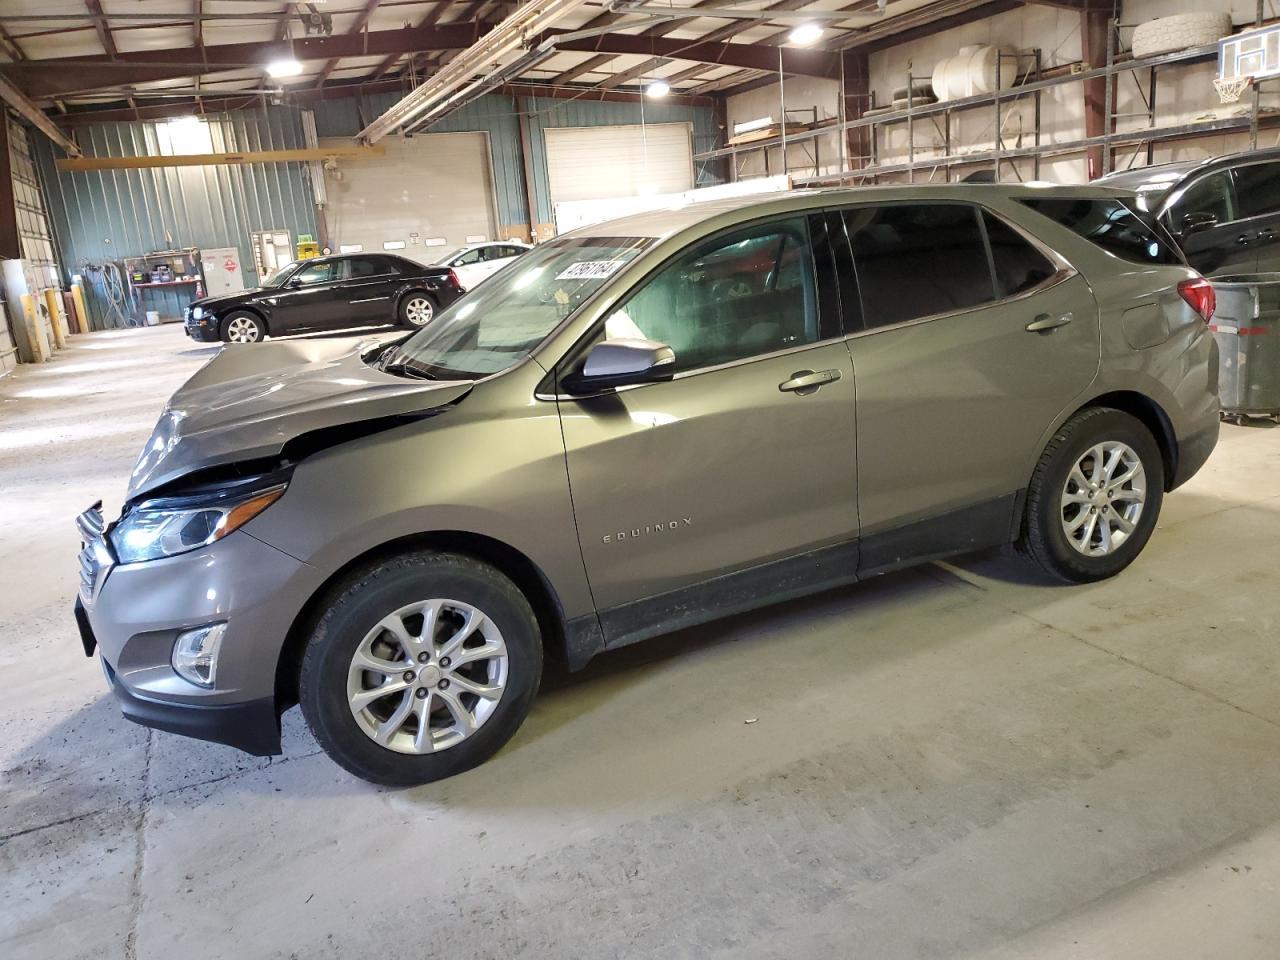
x=958 y=761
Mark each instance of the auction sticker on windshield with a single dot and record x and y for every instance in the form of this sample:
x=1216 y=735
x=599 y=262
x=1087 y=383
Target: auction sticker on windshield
x=590 y=270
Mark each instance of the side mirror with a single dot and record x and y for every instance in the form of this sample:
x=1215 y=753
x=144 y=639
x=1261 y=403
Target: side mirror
x=621 y=363
x=1195 y=222
x=295 y=283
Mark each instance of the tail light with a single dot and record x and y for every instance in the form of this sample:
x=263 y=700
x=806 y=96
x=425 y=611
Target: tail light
x=1199 y=294
x=453 y=278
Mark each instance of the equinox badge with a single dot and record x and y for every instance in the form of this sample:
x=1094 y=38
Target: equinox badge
x=669 y=526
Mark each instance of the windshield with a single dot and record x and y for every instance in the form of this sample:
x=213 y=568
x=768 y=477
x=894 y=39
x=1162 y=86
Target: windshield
x=493 y=327
x=278 y=277
x=444 y=258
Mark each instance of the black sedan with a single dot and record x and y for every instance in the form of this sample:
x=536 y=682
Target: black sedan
x=327 y=293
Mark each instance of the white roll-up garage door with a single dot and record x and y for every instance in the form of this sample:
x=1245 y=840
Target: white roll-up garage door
x=595 y=163
x=428 y=188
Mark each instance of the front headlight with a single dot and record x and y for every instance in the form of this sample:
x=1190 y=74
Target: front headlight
x=166 y=526
x=197 y=313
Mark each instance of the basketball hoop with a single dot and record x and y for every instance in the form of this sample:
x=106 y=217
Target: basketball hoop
x=1230 y=88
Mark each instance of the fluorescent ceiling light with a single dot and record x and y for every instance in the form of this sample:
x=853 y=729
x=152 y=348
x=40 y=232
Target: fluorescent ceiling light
x=805 y=34
x=659 y=88
x=284 y=68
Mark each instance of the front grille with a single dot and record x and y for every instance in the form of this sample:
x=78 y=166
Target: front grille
x=95 y=557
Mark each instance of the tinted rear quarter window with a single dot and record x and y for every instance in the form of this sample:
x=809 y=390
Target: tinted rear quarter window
x=1108 y=224
x=918 y=259
x=1019 y=265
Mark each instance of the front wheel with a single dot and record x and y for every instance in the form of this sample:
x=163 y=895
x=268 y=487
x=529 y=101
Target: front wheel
x=416 y=310
x=242 y=327
x=422 y=666
x=1094 y=497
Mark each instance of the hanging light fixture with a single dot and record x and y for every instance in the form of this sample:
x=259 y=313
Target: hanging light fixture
x=805 y=34
x=659 y=88
x=286 y=67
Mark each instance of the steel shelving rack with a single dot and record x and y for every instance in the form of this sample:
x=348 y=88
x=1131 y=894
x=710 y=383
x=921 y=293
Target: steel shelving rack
x=999 y=154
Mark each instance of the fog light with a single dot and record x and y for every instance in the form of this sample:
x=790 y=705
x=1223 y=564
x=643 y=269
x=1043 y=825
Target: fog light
x=195 y=654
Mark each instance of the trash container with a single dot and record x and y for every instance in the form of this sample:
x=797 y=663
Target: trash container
x=1246 y=325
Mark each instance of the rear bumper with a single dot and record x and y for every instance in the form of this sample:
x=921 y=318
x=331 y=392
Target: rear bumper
x=252 y=726
x=1193 y=452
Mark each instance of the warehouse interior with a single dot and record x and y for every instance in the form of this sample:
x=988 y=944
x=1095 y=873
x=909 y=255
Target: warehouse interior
x=958 y=758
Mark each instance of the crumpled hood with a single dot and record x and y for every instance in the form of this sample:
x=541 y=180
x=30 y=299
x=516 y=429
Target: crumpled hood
x=251 y=399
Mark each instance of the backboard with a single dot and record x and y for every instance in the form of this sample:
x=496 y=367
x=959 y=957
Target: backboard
x=1254 y=53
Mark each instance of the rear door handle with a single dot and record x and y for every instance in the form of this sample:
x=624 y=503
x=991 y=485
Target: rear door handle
x=805 y=382
x=1044 y=322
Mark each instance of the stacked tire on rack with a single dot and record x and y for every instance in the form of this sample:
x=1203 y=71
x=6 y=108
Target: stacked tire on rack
x=1179 y=32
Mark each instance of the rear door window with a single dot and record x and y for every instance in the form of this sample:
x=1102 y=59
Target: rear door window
x=1018 y=264
x=1258 y=189
x=1108 y=224
x=917 y=260
x=1210 y=196
x=359 y=267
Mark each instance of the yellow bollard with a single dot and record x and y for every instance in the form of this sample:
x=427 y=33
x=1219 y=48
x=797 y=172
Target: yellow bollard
x=39 y=345
x=55 y=317
x=82 y=315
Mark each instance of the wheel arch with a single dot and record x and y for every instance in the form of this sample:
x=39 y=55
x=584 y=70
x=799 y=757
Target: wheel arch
x=1152 y=416
x=509 y=561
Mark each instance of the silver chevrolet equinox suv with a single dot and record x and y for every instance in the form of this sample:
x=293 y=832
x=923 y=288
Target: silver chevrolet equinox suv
x=634 y=428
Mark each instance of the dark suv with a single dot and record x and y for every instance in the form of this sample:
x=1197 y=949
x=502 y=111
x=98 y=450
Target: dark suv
x=1224 y=212
x=327 y=293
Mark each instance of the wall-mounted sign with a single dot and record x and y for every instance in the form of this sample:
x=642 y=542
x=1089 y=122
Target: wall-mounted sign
x=351 y=248
x=434 y=242
x=477 y=238
x=393 y=244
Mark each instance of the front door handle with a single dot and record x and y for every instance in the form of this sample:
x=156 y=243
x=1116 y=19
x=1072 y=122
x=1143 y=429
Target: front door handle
x=1044 y=322
x=805 y=382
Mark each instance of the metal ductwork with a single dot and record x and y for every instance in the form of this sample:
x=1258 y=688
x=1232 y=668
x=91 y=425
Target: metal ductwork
x=489 y=59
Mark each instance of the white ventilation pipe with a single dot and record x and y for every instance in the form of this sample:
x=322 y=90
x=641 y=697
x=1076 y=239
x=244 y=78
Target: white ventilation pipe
x=483 y=57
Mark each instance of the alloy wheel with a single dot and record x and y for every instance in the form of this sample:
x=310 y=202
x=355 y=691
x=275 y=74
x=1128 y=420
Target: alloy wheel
x=1103 y=498
x=243 y=330
x=427 y=676
x=418 y=311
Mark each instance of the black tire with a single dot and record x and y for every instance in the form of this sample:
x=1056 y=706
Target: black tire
x=239 y=320
x=409 y=314
x=365 y=598
x=1043 y=538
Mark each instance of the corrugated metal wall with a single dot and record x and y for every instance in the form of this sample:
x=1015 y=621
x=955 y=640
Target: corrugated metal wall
x=497 y=114
x=113 y=214
x=105 y=215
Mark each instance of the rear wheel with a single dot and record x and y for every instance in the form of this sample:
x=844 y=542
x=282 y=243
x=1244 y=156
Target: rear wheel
x=242 y=327
x=423 y=666
x=1094 y=497
x=416 y=310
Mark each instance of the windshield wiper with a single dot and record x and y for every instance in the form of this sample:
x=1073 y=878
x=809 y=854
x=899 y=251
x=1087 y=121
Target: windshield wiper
x=405 y=369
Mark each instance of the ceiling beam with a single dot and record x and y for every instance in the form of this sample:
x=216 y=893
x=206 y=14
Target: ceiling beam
x=749 y=56
x=66 y=75
x=360 y=24
x=657 y=30
x=35 y=116
x=100 y=25
x=430 y=20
